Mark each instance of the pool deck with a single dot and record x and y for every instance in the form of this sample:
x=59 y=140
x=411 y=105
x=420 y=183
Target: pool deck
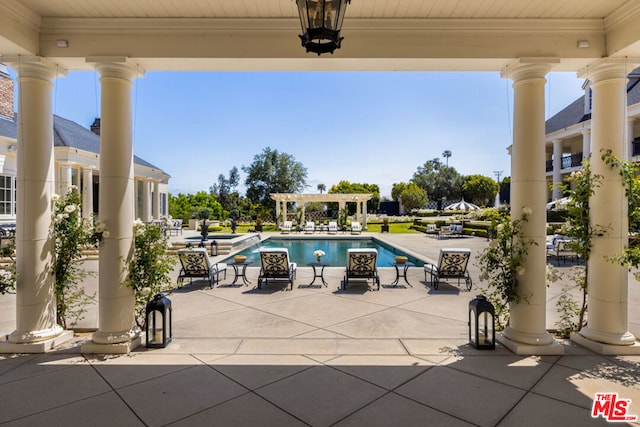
x=318 y=356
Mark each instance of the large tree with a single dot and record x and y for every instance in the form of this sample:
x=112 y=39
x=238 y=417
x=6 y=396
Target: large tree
x=225 y=189
x=413 y=197
x=438 y=180
x=273 y=172
x=480 y=190
x=346 y=187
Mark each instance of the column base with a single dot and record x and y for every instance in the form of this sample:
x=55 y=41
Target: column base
x=552 y=348
x=118 y=348
x=35 y=347
x=604 y=348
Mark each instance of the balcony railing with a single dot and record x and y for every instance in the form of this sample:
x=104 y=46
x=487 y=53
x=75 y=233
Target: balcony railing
x=572 y=161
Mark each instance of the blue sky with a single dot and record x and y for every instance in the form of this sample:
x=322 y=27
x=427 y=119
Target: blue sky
x=373 y=127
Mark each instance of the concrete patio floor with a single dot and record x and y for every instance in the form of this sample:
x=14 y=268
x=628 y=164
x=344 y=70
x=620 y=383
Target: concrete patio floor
x=318 y=356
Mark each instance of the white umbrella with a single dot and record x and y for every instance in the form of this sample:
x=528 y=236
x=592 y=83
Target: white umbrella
x=462 y=206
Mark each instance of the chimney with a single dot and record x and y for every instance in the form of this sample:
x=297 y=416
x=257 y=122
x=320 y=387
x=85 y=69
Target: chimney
x=95 y=127
x=6 y=93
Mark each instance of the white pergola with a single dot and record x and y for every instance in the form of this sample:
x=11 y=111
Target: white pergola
x=121 y=39
x=360 y=199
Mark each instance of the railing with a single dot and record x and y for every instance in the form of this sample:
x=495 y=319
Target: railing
x=573 y=161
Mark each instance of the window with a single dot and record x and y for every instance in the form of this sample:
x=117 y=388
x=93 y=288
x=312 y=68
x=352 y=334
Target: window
x=7 y=195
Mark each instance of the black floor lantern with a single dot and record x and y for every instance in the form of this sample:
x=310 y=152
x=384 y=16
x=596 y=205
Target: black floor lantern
x=321 y=22
x=158 y=321
x=482 y=323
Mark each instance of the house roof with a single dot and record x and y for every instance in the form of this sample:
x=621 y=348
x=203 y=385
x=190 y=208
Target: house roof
x=67 y=133
x=573 y=113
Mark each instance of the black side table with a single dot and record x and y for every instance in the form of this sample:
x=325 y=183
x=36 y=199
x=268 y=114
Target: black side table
x=402 y=273
x=315 y=265
x=240 y=271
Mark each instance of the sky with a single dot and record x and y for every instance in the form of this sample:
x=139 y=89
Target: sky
x=363 y=127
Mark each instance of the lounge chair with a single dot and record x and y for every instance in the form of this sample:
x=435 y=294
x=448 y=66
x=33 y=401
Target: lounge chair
x=356 y=228
x=286 y=227
x=361 y=264
x=197 y=264
x=432 y=230
x=275 y=264
x=333 y=227
x=560 y=248
x=174 y=226
x=456 y=230
x=310 y=227
x=452 y=264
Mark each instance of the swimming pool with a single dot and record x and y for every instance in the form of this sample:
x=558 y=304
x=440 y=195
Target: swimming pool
x=301 y=250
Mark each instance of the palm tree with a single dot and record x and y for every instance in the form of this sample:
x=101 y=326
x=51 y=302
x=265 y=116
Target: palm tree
x=446 y=154
x=321 y=188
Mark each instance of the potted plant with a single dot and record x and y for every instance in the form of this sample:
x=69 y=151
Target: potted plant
x=258 y=224
x=385 y=225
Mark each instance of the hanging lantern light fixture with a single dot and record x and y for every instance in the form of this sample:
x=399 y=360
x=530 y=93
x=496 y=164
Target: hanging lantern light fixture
x=321 y=22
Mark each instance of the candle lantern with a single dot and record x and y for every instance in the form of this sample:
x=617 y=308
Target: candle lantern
x=158 y=322
x=482 y=324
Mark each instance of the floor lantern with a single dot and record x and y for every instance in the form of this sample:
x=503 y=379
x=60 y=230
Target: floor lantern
x=158 y=322
x=482 y=323
x=321 y=22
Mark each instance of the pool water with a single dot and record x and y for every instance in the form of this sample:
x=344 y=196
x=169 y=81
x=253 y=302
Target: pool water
x=301 y=251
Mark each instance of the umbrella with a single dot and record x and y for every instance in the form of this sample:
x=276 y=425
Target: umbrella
x=462 y=206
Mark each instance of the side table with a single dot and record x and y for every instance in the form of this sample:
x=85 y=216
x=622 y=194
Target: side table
x=402 y=272
x=240 y=271
x=316 y=265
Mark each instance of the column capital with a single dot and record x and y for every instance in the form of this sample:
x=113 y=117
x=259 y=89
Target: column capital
x=528 y=68
x=117 y=67
x=34 y=67
x=608 y=68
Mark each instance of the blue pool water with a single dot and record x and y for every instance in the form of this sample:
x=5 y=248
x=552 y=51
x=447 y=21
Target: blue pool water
x=301 y=251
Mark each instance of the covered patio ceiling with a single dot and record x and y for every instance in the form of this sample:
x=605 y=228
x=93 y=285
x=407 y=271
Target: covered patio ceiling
x=479 y=35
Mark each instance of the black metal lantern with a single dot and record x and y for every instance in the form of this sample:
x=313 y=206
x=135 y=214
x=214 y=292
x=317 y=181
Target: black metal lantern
x=482 y=323
x=158 y=321
x=321 y=22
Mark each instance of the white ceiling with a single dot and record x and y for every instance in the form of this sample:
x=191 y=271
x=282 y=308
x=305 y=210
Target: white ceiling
x=379 y=34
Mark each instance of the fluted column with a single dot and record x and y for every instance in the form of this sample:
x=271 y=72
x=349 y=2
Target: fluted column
x=557 y=168
x=36 y=328
x=526 y=333
x=607 y=281
x=117 y=328
x=364 y=215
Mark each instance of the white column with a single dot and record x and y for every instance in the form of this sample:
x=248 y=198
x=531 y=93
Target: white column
x=364 y=214
x=607 y=282
x=35 y=294
x=527 y=333
x=557 y=168
x=65 y=178
x=146 y=201
x=586 y=144
x=629 y=145
x=157 y=199
x=87 y=192
x=284 y=208
x=117 y=328
x=278 y=222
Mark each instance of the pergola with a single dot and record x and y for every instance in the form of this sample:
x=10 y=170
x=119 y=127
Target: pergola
x=121 y=39
x=282 y=199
